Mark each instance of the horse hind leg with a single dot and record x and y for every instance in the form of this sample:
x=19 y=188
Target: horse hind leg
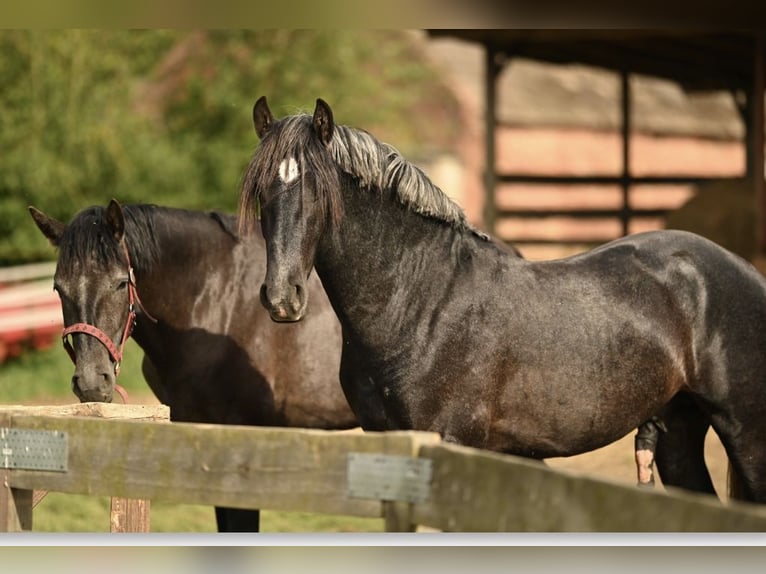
x=747 y=460
x=237 y=519
x=680 y=449
x=645 y=446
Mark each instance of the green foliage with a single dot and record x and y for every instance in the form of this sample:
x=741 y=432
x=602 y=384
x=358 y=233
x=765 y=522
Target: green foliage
x=165 y=116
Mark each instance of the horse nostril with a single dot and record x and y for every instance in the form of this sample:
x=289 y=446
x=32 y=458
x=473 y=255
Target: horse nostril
x=264 y=295
x=297 y=302
x=106 y=379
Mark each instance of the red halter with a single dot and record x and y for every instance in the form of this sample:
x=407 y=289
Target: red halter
x=114 y=352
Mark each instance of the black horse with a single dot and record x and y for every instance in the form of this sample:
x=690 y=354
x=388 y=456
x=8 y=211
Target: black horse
x=445 y=331
x=211 y=352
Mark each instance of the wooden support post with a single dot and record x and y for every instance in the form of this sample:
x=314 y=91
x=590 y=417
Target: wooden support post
x=15 y=507
x=129 y=515
x=625 y=108
x=15 y=503
x=492 y=71
x=756 y=143
x=398 y=516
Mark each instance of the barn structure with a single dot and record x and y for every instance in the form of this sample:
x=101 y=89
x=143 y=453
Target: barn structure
x=698 y=62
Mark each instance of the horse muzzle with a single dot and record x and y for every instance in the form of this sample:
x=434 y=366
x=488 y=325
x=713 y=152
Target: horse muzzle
x=284 y=305
x=93 y=385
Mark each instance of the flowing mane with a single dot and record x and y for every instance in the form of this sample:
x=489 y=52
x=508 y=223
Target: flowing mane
x=376 y=165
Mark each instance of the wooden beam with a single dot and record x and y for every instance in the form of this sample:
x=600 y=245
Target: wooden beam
x=625 y=113
x=756 y=166
x=594 y=179
x=95 y=410
x=300 y=469
x=491 y=73
x=218 y=465
x=501 y=493
x=581 y=213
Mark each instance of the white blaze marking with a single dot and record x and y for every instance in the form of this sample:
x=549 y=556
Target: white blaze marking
x=288 y=170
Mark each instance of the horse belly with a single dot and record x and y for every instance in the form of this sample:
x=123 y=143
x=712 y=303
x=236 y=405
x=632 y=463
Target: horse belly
x=556 y=413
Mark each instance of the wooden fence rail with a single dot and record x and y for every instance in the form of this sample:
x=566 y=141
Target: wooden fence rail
x=314 y=471
x=30 y=311
x=126 y=514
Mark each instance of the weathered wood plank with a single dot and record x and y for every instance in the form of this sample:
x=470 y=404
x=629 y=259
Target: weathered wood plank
x=486 y=492
x=236 y=466
x=97 y=410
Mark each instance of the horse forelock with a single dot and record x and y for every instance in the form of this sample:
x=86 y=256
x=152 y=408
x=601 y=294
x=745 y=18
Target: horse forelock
x=89 y=240
x=290 y=140
x=374 y=164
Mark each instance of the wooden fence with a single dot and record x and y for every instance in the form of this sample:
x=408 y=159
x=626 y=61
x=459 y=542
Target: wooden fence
x=30 y=311
x=407 y=478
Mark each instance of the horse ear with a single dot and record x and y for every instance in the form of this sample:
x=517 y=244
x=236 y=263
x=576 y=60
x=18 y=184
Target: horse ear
x=262 y=118
x=51 y=228
x=115 y=219
x=323 y=122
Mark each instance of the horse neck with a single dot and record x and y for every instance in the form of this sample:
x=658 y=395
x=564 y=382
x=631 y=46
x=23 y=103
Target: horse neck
x=380 y=256
x=166 y=289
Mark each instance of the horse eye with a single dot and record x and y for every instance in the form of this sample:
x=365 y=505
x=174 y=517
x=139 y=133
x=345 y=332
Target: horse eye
x=122 y=284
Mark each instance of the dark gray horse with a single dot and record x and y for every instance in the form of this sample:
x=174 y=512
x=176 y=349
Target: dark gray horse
x=211 y=352
x=445 y=331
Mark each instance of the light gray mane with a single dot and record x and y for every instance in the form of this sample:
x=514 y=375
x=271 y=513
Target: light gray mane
x=380 y=165
x=377 y=166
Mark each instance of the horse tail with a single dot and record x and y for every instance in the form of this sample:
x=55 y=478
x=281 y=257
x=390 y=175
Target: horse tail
x=734 y=485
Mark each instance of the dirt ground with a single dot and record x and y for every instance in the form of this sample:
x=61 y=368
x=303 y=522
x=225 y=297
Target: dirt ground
x=615 y=462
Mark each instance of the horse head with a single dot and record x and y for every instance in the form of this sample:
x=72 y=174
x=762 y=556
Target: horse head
x=287 y=173
x=95 y=283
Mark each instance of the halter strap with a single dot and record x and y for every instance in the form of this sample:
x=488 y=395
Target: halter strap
x=115 y=352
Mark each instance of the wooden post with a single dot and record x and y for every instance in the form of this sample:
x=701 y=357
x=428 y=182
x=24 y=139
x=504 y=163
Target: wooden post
x=625 y=108
x=398 y=516
x=491 y=73
x=15 y=503
x=756 y=143
x=129 y=515
x=15 y=507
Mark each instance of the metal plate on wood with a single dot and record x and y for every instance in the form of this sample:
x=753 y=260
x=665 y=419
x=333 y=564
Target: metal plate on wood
x=33 y=449
x=389 y=477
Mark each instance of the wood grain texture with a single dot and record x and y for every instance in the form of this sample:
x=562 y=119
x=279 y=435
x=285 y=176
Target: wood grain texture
x=97 y=410
x=236 y=466
x=486 y=492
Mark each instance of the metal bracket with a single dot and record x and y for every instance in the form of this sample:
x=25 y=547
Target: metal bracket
x=388 y=477
x=33 y=449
